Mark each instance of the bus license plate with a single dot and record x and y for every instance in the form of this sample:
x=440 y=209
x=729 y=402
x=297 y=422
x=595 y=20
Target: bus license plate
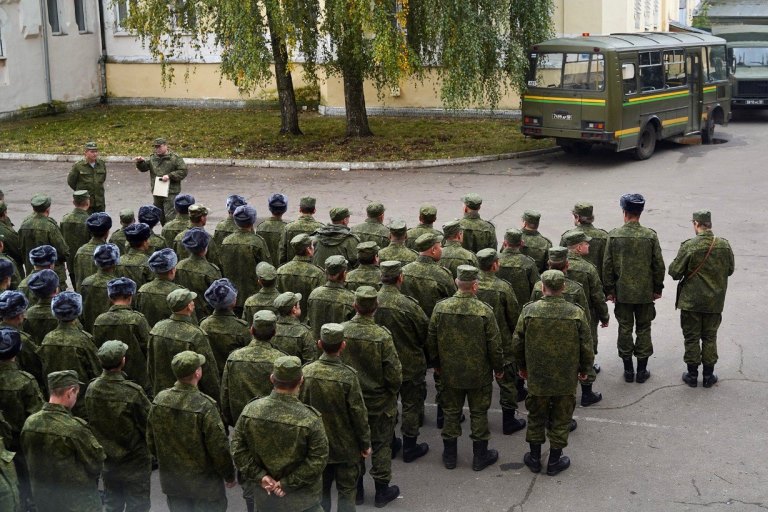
x=754 y=102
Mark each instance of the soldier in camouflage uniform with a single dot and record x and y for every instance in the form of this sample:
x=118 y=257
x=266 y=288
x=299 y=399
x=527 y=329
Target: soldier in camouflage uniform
x=464 y=347
x=583 y=218
x=151 y=216
x=89 y=174
x=633 y=278
x=453 y=252
x=265 y=297
x=306 y=223
x=336 y=239
x=14 y=277
x=151 y=299
x=10 y=237
x=127 y=217
x=332 y=387
x=73 y=225
x=272 y=229
x=227 y=226
x=372 y=229
x=552 y=346
x=424 y=279
x=63 y=456
x=6 y=273
x=13 y=307
x=39 y=320
x=40 y=229
x=185 y=433
x=196 y=272
x=293 y=337
x=516 y=268
x=83 y=265
x=118 y=410
x=43 y=257
x=371 y=351
x=398 y=250
x=279 y=444
x=478 y=233
x=177 y=334
x=94 y=287
x=427 y=218
x=331 y=302
x=129 y=326
x=198 y=218
x=534 y=244
x=557 y=259
x=407 y=323
x=181 y=221
x=226 y=333
x=702 y=265
x=300 y=275
x=134 y=264
x=367 y=273
x=167 y=166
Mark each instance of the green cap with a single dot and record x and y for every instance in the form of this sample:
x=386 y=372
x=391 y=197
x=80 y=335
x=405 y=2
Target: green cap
x=40 y=201
x=264 y=321
x=553 y=280
x=374 y=209
x=531 y=216
x=467 y=273
x=452 y=228
x=185 y=363
x=301 y=241
x=81 y=195
x=111 y=352
x=367 y=249
x=335 y=264
x=472 y=200
x=307 y=203
x=287 y=369
x=286 y=299
x=486 y=257
x=391 y=268
x=339 y=213
x=160 y=141
x=557 y=254
x=127 y=216
x=702 y=216
x=197 y=211
x=91 y=146
x=575 y=237
x=179 y=298
x=266 y=271
x=397 y=226
x=513 y=236
x=366 y=296
x=332 y=334
x=583 y=209
x=426 y=241
x=427 y=210
x=63 y=379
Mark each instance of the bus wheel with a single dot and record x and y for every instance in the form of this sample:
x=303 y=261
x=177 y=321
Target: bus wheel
x=646 y=143
x=708 y=130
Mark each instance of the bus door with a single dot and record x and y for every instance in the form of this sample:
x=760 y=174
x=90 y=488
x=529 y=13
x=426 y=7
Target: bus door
x=693 y=67
x=629 y=128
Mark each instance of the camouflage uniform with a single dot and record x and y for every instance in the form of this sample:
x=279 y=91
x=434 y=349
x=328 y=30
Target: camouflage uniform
x=156 y=242
x=74 y=230
x=271 y=230
x=478 y=233
x=223 y=229
x=585 y=273
x=196 y=274
x=84 y=176
x=599 y=237
x=306 y=223
x=300 y=275
x=16 y=276
x=131 y=327
x=158 y=166
x=520 y=271
x=397 y=250
x=416 y=232
x=12 y=244
x=364 y=275
x=95 y=298
x=240 y=253
x=295 y=339
x=172 y=228
x=150 y=301
x=371 y=230
x=454 y=255
x=39 y=321
x=82 y=263
x=213 y=255
x=133 y=265
x=573 y=293
x=335 y=239
x=260 y=300
x=10 y=496
x=331 y=302
x=536 y=246
x=28 y=359
x=37 y=230
x=427 y=282
x=226 y=333
x=118 y=238
x=118 y=410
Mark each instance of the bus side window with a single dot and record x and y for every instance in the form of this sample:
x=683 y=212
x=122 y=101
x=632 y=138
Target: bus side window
x=629 y=77
x=674 y=68
x=717 y=70
x=651 y=72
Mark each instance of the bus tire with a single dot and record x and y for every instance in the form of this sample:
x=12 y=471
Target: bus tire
x=646 y=143
x=708 y=130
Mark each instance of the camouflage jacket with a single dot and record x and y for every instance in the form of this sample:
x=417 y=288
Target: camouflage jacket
x=156 y=242
x=295 y=339
x=300 y=275
x=131 y=327
x=174 y=227
x=271 y=230
x=478 y=233
x=16 y=275
x=633 y=267
x=95 y=298
x=213 y=255
x=364 y=275
x=28 y=359
x=397 y=251
x=158 y=166
x=596 y=245
x=304 y=224
x=407 y=323
x=371 y=230
x=335 y=239
x=454 y=255
x=39 y=321
x=223 y=229
x=74 y=230
x=196 y=274
x=12 y=244
x=133 y=265
x=416 y=232
x=498 y=294
x=10 y=497
x=151 y=300
x=83 y=176
x=537 y=247
x=262 y=299
x=118 y=238
x=329 y=303
x=585 y=273
x=20 y=398
x=240 y=253
x=37 y=230
x=573 y=293
x=82 y=263
x=226 y=333
x=427 y=282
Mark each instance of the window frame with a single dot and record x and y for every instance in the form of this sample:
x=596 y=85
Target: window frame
x=83 y=14
x=57 y=30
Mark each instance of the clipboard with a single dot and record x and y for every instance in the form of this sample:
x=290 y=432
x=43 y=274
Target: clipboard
x=161 y=188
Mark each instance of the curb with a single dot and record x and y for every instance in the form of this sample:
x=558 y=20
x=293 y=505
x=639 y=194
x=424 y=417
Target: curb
x=299 y=164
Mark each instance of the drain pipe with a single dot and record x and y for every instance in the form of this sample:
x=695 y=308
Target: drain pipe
x=46 y=55
x=103 y=57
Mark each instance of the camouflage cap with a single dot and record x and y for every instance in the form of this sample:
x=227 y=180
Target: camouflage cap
x=195 y=240
x=106 y=255
x=332 y=334
x=6 y=269
x=111 y=353
x=159 y=141
x=121 y=287
x=702 y=216
x=91 y=146
x=583 y=209
x=137 y=233
x=183 y=202
x=81 y=195
x=397 y=226
x=513 y=236
x=301 y=241
x=10 y=342
x=335 y=264
x=339 y=213
x=277 y=203
x=150 y=215
x=197 y=211
x=575 y=237
x=264 y=321
x=426 y=241
x=286 y=299
x=98 y=223
x=162 y=261
x=557 y=254
x=40 y=201
x=366 y=296
x=472 y=200
x=127 y=216
x=43 y=283
x=427 y=210
x=554 y=280
x=67 y=305
x=368 y=249
x=63 y=379
x=632 y=203
x=486 y=257
x=12 y=304
x=266 y=271
x=287 y=369
x=179 y=298
x=185 y=363
x=233 y=201
x=452 y=228
x=374 y=209
x=244 y=215
x=467 y=273
x=221 y=294
x=531 y=216
x=307 y=203
x=391 y=268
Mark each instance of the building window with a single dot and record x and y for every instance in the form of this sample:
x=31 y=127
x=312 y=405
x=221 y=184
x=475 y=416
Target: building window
x=184 y=15
x=122 y=10
x=53 y=16
x=80 y=16
x=2 y=48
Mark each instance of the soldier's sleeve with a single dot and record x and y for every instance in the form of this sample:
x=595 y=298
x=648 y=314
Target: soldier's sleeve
x=309 y=350
x=88 y=450
x=142 y=333
x=209 y=384
x=433 y=356
x=420 y=324
x=151 y=362
x=217 y=444
x=180 y=170
x=72 y=177
x=224 y=405
x=393 y=369
x=92 y=360
x=141 y=408
x=731 y=262
x=32 y=398
x=598 y=296
x=657 y=267
x=308 y=471
x=493 y=342
x=283 y=248
x=533 y=277
x=609 y=279
x=678 y=267
x=358 y=415
x=62 y=249
x=511 y=313
x=144 y=166
x=518 y=343
x=243 y=455
x=586 y=354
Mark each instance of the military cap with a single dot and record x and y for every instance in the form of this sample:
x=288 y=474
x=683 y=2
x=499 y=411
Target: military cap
x=43 y=283
x=427 y=210
x=301 y=241
x=179 y=298
x=335 y=264
x=121 y=287
x=632 y=203
x=221 y=294
x=3 y=207
x=366 y=296
x=287 y=369
x=127 y=216
x=195 y=240
x=574 y=237
x=553 y=279
x=160 y=141
x=531 y=216
x=307 y=203
x=557 y=254
x=234 y=201
x=513 y=236
x=63 y=379
x=368 y=248
x=40 y=202
x=583 y=209
x=339 y=213
x=467 y=273
x=266 y=271
x=186 y=362
x=472 y=200
x=111 y=353
x=106 y=255
x=286 y=299
x=99 y=223
x=264 y=321
x=397 y=226
x=67 y=306
x=374 y=209
x=452 y=228
x=197 y=211
x=12 y=304
x=702 y=216
x=6 y=269
x=391 y=268
x=150 y=215
x=10 y=342
x=278 y=203
x=91 y=146
x=137 y=233
x=426 y=241
x=81 y=195
x=244 y=215
x=183 y=202
x=332 y=334
x=162 y=261
x=486 y=257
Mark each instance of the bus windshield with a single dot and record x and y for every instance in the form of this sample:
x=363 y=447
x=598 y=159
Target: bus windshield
x=585 y=71
x=750 y=57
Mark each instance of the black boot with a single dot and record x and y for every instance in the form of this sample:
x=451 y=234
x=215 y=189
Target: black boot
x=589 y=397
x=483 y=457
x=532 y=459
x=629 y=370
x=691 y=376
x=709 y=378
x=557 y=462
x=522 y=392
x=440 y=417
x=510 y=424
x=643 y=374
x=360 y=496
x=449 y=453
x=413 y=450
x=395 y=446
x=385 y=493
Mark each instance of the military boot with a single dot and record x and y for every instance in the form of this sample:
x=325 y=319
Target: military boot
x=643 y=374
x=510 y=424
x=557 y=462
x=385 y=493
x=589 y=397
x=360 y=495
x=413 y=450
x=691 y=376
x=629 y=370
x=709 y=378
x=395 y=446
x=532 y=459
x=483 y=457
x=449 y=453
x=522 y=391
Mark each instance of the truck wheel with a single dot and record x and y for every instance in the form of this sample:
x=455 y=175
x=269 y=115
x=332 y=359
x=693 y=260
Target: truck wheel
x=646 y=143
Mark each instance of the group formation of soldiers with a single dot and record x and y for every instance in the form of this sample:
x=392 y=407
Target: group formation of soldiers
x=301 y=337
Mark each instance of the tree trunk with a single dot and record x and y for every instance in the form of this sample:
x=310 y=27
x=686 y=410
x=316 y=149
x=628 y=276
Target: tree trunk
x=354 y=101
x=289 y=112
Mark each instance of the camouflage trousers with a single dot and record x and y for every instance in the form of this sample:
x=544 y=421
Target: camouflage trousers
x=412 y=395
x=558 y=410
x=166 y=205
x=382 y=430
x=479 y=400
x=640 y=317
x=508 y=388
x=346 y=476
x=700 y=327
x=182 y=504
x=593 y=323
x=126 y=484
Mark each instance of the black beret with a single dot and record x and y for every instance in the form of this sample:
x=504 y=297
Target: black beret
x=43 y=256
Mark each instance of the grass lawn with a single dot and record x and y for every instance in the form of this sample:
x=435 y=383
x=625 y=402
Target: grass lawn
x=253 y=134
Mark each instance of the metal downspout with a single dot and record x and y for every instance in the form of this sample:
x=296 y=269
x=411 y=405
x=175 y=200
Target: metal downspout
x=46 y=55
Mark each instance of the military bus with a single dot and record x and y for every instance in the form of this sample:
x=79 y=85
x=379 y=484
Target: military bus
x=626 y=91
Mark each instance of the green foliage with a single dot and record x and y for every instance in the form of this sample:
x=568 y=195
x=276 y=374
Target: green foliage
x=701 y=16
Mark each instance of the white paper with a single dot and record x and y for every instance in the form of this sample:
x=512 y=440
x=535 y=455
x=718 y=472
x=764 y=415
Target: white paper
x=161 y=187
